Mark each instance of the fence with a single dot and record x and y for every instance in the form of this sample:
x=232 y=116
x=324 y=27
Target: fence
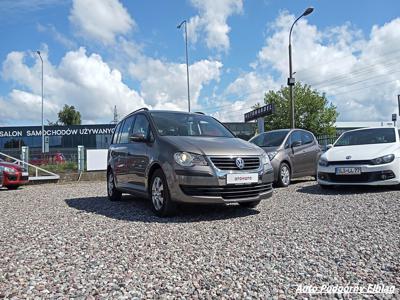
x=325 y=140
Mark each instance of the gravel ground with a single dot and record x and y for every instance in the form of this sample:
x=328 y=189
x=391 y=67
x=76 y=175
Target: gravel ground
x=68 y=241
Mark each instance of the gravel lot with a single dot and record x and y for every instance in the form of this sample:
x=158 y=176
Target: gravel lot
x=69 y=241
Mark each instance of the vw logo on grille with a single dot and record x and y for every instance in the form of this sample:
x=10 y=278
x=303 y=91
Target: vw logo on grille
x=348 y=157
x=240 y=163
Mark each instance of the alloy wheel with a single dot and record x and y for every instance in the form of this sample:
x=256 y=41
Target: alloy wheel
x=157 y=193
x=285 y=175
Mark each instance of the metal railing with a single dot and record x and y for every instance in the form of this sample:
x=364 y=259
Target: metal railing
x=25 y=166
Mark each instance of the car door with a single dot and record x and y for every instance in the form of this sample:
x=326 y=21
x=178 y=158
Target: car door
x=114 y=152
x=296 y=153
x=137 y=159
x=122 y=152
x=310 y=153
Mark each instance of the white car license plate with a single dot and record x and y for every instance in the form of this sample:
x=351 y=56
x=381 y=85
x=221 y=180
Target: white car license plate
x=25 y=174
x=348 y=171
x=242 y=178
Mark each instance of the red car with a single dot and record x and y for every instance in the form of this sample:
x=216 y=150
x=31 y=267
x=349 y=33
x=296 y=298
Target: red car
x=13 y=175
x=57 y=158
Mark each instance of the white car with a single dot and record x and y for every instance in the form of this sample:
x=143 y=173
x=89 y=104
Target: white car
x=369 y=156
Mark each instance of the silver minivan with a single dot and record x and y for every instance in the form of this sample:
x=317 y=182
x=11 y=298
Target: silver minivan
x=293 y=153
x=174 y=157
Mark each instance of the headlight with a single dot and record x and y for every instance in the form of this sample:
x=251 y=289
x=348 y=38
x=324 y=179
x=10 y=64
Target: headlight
x=265 y=161
x=383 y=160
x=323 y=162
x=186 y=159
x=272 y=154
x=10 y=170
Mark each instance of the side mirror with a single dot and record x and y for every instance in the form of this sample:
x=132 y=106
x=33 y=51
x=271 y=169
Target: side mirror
x=296 y=144
x=329 y=146
x=138 y=137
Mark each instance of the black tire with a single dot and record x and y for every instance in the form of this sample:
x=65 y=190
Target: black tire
x=160 y=198
x=13 y=187
x=250 y=204
x=113 y=193
x=284 y=175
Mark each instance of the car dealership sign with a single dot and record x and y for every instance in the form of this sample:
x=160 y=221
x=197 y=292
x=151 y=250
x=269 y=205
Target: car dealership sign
x=56 y=130
x=259 y=112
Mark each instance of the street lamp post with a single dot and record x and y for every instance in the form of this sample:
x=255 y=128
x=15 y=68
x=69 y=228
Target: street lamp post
x=187 y=62
x=291 y=80
x=38 y=52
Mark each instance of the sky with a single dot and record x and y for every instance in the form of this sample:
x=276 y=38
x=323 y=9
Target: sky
x=130 y=54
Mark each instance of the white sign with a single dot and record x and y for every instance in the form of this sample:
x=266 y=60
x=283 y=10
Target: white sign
x=241 y=178
x=96 y=160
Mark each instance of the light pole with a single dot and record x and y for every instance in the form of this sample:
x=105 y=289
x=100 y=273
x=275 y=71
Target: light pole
x=291 y=80
x=38 y=52
x=187 y=61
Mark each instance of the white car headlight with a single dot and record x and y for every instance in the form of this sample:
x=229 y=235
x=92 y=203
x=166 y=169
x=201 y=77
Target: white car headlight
x=272 y=154
x=323 y=162
x=186 y=159
x=10 y=170
x=266 y=161
x=383 y=160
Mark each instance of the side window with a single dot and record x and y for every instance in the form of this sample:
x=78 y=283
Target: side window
x=306 y=138
x=141 y=126
x=116 y=133
x=295 y=137
x=124 y=139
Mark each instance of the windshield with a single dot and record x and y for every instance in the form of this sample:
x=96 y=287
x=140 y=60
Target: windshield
x=367 y=136
x=270 y=139
x=180 y=124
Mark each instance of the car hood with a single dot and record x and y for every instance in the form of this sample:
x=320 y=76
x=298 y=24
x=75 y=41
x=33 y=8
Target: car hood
x=213 y=145
x=361 y=152
x=270 y=149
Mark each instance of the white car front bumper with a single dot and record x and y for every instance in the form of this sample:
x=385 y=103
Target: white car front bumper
x=386 y=174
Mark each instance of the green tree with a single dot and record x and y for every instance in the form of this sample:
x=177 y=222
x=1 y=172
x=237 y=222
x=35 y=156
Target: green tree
x=313 y=112
x=69 y=116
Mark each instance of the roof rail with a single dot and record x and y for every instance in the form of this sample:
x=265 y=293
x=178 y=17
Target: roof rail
x=199 y=112
x=143 y=108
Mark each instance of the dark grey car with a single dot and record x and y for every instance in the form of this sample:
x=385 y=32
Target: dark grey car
x=293 y=153
x=175 y=157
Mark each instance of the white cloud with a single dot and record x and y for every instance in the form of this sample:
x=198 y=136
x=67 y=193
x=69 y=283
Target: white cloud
x=248 y=89
x=58 y=36
x=340 y=62
x=212 y=20
x=101 y=20
x=82 y=80
x=163 y=84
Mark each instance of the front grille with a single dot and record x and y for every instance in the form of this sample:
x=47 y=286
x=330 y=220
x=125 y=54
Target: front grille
x=228 y=191
x=228 y=163
x=362 y=178
x=349 y=162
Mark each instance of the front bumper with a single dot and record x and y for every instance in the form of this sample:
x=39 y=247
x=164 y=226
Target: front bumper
x=14 y=179
x=386 y=174
x=209 y=186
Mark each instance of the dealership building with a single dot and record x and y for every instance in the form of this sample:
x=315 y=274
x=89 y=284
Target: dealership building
x=90 y=136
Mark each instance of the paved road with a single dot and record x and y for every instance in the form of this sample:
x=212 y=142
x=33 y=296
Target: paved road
x=69 y=241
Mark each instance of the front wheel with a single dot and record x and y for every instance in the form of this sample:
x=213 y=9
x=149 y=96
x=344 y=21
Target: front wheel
x=250 y=204
x=161 y=201
x=284 y=175
x=113 y=193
